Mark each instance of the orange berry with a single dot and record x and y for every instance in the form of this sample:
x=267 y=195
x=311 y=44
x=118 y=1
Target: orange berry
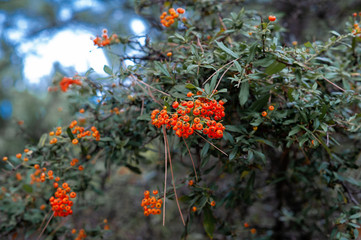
x=180 y=10
x=26 y=159
x=75 y=141
x=36 y=166
x=73 y=231
x=190 y=183
x=57 y=179
x=155 y=192
x=42 y=207
x=189 y=94
x=65 y=185
x=82 y=110
x=271 y=18
x=55 y=185
x=5 y=158
x=194 y=209
x=213 y=203
x=72 y=194
x=106 y=227
x=264 y=113
x=313 y=142
x=18 y=155
x=271 y=108
x=81 y=168
x=26 y=150
x=253 y=230
x=246 y=225
x=18 y=176
x=169 y=54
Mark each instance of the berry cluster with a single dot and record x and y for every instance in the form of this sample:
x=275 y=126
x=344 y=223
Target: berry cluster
x=197 y=114
x=73 y=162
x=253 y=230
x=40 y=174
x=57 y=133
x=81 y=235
x=116 y=111
x=66 y=82
x=60 y=203
x=356 y=30
x=168 y=20
x=105 y=39
x=80 y=132
x=264 y=113
x=150 y=204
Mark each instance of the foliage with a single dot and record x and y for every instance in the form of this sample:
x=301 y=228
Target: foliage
x=286 y=164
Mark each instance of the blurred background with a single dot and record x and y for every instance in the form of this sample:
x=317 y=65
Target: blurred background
x=43 y=40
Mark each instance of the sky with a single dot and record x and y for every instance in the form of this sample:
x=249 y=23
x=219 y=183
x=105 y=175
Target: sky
x=69 y=47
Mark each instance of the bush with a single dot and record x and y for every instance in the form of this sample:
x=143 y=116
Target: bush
x=262 y=139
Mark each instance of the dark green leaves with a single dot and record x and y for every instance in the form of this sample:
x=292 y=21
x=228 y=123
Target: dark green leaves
x=227 y=50
x=243 y=93
x=208 y=222
x=275 y=67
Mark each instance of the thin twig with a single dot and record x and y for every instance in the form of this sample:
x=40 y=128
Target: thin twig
x=219 y=81
x=46 y=216
x=135 y=78
x=142 y=108
x=165 y=172
x=52 y=215
x=194 y=167
x=343 y=90
x=173 y=181
x=219 y=69
x=211 y=144
x=200 y=45
x=350 y=194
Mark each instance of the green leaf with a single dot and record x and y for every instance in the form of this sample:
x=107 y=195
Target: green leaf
x=160 y=67
x=244 y=93
x=264 y=62
x=133 y=169
x=70 y=134
x=233 y=153
x=190 y=86
x=42 y=140
x=252 y=52
x=209 y=222
x=107 y=70
x=227 y=50
x=204 y=150
x=144 y=117
x=232 y=128
x=335 y=33
x=308 y=44
x=213 y=81
x=27 y=188
x=357 y=215
x=260 y=155
x=259 y=103
x=294 y=130
x=238 y=66
x=274 y=68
